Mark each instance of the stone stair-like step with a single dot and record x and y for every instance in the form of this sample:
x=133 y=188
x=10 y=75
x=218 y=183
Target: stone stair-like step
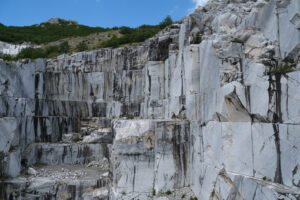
x=99 y=135
x=59 y=153
x=71 y=182
x=93 y=130
x=94 y=123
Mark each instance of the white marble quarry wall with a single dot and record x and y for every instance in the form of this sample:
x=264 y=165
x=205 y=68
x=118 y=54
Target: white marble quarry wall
x=46 y=188
x=261 y=157
x=243 y=118
x=280 y=22
x=13 y=49
x=219 y=160
x=56 y=154
x=205 y=105
x=149 y=155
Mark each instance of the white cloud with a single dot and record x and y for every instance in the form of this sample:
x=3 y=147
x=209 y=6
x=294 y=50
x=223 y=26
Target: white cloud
x=200 y=2
x=197 y=3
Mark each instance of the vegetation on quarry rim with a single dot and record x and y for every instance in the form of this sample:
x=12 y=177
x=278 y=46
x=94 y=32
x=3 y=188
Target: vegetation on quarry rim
x=65 y=31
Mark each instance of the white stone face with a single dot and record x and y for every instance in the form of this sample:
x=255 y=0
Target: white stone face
x=212 y=144
x=13 y=167
x=290 y=98
x=155 y=159
x=12 y=49
x=284 y=29
x=56 y=154
x=236 y=147
x=127 y=129
x=192 y=69
x=264 y=150
x=268 y=21
x=17 y=80
x=133 y=158
x=201 y=107
x=8 y=134
x=289 y=154
x=288 y=25
x=164 y=171
x=138 y=172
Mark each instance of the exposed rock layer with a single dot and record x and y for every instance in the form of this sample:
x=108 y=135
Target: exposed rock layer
x=206 y=109
x=13 y=49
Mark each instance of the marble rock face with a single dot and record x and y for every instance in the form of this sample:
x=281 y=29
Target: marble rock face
x=209 y=108
x=13 y=49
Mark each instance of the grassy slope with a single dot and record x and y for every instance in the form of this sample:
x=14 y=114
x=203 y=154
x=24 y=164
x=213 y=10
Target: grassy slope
x=45 y=33
x=67 y=37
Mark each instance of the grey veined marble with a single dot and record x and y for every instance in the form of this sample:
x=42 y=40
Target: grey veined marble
x=209 y=109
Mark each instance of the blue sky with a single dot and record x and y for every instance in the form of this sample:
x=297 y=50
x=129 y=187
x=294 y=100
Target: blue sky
x=104 y=13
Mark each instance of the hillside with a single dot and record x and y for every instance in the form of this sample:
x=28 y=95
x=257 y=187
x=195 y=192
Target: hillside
x=58 y=36
x=45 y=32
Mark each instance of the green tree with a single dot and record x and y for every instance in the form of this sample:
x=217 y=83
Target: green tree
x=64 y=47
x=45 y=32
x=6 y=57
x=82 y=46
x=167 y=21
x=31 y=53
x=125 y=30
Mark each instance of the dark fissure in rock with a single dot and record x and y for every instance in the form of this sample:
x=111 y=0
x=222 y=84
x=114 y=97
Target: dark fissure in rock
x=274 y=91
x=278 y=173
x=278 y=98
